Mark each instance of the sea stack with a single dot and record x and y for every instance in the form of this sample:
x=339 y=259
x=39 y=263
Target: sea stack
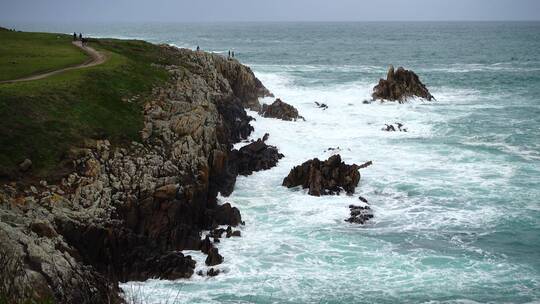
x=400 y=85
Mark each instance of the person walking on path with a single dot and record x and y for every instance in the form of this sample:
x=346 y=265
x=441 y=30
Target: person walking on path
x=80 y=36
x=232 y=54
x=74 y=36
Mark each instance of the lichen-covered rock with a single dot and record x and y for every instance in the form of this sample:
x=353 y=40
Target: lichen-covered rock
x=280 y=110
x=400 y=85
x=324 y=177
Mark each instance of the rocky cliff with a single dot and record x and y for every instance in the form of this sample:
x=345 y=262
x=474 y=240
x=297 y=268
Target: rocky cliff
x=125 y=212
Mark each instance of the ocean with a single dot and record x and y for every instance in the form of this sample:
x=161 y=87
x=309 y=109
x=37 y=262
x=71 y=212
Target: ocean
x=455 y=199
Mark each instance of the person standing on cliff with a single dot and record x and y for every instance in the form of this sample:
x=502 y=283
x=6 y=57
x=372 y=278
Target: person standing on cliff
x=80 y=36
x=74 y=36
x=232 y=54
x=229 y=57
x=198 y=48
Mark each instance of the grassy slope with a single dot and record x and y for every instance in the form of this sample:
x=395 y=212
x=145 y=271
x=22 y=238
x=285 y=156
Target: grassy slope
x=42 y=119
x=24 y=54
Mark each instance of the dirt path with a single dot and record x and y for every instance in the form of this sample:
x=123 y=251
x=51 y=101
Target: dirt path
x=96 y=58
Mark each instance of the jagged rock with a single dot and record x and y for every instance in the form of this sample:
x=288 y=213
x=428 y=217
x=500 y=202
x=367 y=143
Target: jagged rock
x=255 y=156
x=217 y=233
x=393 y=128
x=400 y=85
x=231 y=233
x=212 y=272
x=324 y=177
x=362 y=199
x=321 y=105
x=206 y=245
x=227 y=215
x=359 y=214
x=25 y=165
x=281 y=110
x=213 y=258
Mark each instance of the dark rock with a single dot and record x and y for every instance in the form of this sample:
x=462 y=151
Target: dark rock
x=212 y=272
x=213 y=258
x=255 y=156
x=362 y=199
x=231 y=233
x=206 y=245
x=25 y=165
x=324 y=177
x=321 y=105
x=400 y=85
x=217 y=233
x=394 y=128
x=43 y=229
x=227 y=215
x=281 y=110
x=359 y=214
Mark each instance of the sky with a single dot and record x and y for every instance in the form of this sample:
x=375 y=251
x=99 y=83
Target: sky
x=72 y=11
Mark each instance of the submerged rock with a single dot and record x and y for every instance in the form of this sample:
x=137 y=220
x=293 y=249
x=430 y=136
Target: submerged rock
x=280 y=110
x=400 y=85
x=359 y=214
x=321 y=105
x=394 y=127
x=324 y=177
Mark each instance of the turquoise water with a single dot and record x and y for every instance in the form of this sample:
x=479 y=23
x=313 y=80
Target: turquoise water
x=457 y=216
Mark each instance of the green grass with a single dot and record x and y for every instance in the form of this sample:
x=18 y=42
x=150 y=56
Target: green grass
x=42 y=119
x=25 y=54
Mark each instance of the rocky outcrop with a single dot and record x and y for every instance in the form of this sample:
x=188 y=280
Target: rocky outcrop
x=325 y=177
x=280 y=110
x=400 y=85
x=124 y=213
x=255 y=156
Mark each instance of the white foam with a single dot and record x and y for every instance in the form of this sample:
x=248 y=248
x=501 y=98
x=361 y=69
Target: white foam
x=297 y=248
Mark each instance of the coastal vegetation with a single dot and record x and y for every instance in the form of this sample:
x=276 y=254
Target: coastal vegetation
x=42 y=119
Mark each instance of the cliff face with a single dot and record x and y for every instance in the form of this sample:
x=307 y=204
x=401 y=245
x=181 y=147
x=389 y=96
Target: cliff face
x=123 y=212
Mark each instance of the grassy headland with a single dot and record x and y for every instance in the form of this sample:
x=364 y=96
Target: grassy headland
x=23 y=54
x=42 y=119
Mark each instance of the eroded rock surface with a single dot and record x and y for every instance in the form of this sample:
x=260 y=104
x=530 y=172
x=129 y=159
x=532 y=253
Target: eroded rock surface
x=400 y=85
x=324 y=177
x=125 y=212
x=280 y=110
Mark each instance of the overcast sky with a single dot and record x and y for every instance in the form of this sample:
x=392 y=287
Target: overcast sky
x=68 y=11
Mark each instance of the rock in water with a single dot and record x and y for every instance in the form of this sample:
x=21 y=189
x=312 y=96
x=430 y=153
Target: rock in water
x=359 y=214
x=324 y=177
x=214 y=258
x=281 y=110
x=399 y=86
x=254 y=157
